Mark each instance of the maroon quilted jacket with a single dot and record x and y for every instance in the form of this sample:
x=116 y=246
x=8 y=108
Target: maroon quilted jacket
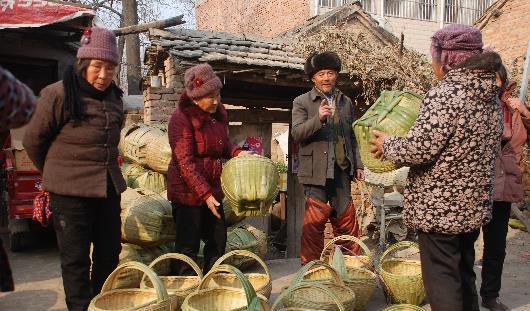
x=199 y=141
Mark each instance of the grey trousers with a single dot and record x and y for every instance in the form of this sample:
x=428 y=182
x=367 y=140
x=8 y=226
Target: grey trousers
x=337 y=191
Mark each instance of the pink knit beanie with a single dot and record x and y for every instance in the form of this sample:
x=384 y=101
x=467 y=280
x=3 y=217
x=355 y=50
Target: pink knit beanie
x=455 y=43
x=98 y=43
x=200 y=81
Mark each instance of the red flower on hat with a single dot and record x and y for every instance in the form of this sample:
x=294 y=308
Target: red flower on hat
x=85 y=39
x=197 y=82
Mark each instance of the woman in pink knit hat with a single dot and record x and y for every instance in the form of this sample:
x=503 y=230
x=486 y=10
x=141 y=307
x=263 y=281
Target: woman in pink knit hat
x=451 y=151
x=73 y=141
x=198 y=135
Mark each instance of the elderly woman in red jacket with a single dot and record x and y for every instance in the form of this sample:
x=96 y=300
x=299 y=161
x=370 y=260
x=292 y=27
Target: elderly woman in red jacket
x=198 y=135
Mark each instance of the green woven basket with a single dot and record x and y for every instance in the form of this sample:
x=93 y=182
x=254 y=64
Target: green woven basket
x=402 y=277
x=250 y=184
x=404 y=307
x=394 y=112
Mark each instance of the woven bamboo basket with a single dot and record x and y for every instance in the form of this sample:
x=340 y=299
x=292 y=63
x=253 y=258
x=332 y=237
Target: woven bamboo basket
x=130 y=195
x=180 y=286
x=130 y=278
x=394 y=112
x=360 y=280
x=131 y=171
x=133 y=299
x=238 y=238
x=312 y=273
x=352 y=261
x=158 y=154
x=151 y=180
x=250 y=184
x=230 y=216
x=261 y=237
x=310 y=288
x=261 y=282
x=147 y=221
x=404 y=307
x=126 y=131
x=225 y=298
x=135 y=143
x=402 y=277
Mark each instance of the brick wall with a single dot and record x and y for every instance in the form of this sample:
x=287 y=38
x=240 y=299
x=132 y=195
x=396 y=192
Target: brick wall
x=161 y=102
x=509 y=34
x=134 y=116
x=253 y=17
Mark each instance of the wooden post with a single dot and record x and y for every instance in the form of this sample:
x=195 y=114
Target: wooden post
x=295 y=207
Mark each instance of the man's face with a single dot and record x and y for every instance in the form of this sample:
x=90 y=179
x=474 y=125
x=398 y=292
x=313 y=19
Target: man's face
x=325 y=80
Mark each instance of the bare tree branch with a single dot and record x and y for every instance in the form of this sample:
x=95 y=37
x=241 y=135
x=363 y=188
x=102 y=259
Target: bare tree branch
x=103 y=6
x=145 y=27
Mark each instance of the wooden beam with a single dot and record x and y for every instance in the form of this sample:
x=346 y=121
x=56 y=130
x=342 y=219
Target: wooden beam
x=173 y=21
x=257 y=103
x=259 y=116
x=258 y=78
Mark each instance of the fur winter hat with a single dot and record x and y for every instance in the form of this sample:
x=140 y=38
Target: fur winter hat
x=201 y=80
x=98 y=43
x=325 y=60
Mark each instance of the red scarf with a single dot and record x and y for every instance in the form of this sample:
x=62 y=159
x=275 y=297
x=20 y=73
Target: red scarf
x=507 y=112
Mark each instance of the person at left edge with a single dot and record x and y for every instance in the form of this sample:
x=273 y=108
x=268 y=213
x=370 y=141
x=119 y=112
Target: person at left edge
x=73 y=140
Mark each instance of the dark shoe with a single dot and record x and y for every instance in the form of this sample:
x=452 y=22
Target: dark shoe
x=494 y=304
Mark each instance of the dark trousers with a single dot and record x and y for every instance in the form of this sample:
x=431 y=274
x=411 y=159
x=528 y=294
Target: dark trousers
x=447 y=268
x=494 y=236
x=337 y=191
x=196 y=223
x=78 y=222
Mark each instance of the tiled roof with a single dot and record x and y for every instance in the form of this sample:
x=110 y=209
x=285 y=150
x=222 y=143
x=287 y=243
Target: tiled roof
x=205 y=46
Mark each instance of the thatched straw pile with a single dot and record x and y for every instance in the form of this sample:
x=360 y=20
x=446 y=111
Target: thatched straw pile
x=372 y=65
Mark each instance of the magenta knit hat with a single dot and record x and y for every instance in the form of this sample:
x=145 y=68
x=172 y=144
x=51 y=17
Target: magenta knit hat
x=98 y=43
x=201 y=80
x=455 y=43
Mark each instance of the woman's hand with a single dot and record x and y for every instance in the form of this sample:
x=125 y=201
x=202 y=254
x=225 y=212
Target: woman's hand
x=213 y=205
x=377 y=144
x=359 y=174
x=518 y=105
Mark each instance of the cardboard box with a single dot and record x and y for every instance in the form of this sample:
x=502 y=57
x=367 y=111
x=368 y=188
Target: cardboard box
x=22 y=161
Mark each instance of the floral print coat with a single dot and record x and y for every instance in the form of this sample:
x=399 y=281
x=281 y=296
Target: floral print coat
x=451 y=150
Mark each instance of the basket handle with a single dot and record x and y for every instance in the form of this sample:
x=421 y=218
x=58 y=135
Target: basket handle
x=250 y=293
x=398 y=245
x=176 y=256
x=320 y=287
x=244 y=253
x=161 y=291
x=345 y=238
x=299 y=277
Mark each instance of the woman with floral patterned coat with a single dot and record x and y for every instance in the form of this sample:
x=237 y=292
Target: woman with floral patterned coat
x=451 y=151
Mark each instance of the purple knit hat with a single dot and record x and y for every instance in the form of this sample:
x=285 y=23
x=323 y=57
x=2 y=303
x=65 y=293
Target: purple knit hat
x=455 y=43
x=98 y=43
x=200 y=81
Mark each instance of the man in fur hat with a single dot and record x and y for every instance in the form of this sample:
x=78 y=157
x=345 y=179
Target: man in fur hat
x=328 y=155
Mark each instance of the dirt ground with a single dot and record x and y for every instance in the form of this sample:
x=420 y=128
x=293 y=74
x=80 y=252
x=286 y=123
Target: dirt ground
x=39 y=285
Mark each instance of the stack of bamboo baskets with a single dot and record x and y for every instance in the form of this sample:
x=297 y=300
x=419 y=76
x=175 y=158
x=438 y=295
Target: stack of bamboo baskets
x=147 y=153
